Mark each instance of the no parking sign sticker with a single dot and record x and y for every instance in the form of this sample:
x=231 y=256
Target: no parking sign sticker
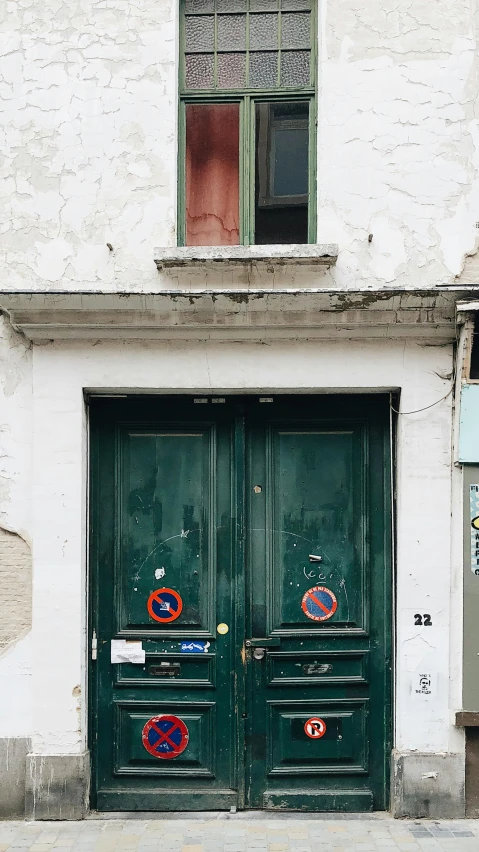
x=315 y=728
x=165 y=736
x=319 y=603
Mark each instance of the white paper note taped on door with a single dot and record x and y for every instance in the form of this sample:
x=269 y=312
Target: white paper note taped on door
x=123 y=651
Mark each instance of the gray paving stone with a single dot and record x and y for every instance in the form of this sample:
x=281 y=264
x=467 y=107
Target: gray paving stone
x=242 y=832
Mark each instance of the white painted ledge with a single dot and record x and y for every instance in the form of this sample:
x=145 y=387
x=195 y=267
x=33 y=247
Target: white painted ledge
x=325 y=254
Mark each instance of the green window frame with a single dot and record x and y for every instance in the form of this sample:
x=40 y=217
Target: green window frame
x=247 y=97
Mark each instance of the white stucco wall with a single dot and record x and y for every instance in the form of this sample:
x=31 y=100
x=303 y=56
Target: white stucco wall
x=89 y=138
x=63 y=370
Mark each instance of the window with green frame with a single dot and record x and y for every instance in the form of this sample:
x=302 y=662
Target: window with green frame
x=248 y=120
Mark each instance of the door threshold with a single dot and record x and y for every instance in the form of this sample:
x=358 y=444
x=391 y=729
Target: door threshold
x=212 y=816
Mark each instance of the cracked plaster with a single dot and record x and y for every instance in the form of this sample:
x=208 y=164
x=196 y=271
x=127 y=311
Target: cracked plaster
x=89 y=140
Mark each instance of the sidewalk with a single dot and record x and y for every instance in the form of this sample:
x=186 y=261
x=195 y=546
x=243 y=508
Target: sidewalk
x=243 y=832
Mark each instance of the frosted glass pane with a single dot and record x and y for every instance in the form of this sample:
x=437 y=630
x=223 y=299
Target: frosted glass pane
x=263 y=70
x=263 y=5
x=231 y=70
x=199 y=34
x=230 y=5
x=295 y=68
x=192 y=6
x=263 y=32
x=295 y=5
x=295 y=30
x=199 y=71
x=231 y=32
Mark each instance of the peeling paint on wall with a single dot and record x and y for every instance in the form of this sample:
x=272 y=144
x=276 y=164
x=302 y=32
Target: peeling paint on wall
x=15 y=589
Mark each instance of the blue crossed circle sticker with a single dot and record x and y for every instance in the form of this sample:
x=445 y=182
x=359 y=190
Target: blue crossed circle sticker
x=165 y=736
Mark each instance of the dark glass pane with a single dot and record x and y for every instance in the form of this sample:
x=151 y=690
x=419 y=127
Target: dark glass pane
x=199 y=71
x=212 y=174
x=199 y=34
x=295 y=68
x=474 y=369
x=231 y=32
x=282 y=173
x=231 y=70
x=296 y=30
x=263 y=70
x=263 y=32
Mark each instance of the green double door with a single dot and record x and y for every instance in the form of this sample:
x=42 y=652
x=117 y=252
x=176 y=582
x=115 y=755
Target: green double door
x=242 y=544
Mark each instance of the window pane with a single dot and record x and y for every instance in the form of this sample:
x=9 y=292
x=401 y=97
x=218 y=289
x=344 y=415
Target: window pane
x=199 y=71
x=293 y=5
x=263 y=5
x=282 y=173
x=295 y=30
x=199 y=34
x=263 y=32
x=295 y=68
x=212 y=174
x=192 y=6
x=263 y=70
x=231 y=70
x=290 y=173
x=231 y=32
x=231 y=5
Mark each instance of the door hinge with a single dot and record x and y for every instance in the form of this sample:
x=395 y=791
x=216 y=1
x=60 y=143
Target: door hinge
x=94 y=646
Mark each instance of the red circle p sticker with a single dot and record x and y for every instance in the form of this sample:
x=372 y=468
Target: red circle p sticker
x=164 y=605
x=165 y=736
x=319 y=603
x=315 y=728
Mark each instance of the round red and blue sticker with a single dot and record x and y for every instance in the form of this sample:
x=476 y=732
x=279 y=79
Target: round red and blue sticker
x=164 y=605
x=165 y=736
x=319 y=603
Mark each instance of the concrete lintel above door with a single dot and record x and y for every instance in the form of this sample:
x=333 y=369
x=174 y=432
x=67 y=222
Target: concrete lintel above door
x=235 y=314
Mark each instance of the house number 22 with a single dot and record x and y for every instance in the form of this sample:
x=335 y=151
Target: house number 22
x=422 y=620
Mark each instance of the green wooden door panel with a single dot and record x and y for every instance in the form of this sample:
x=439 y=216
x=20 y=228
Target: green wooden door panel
x=163 y=518
x=241 y=508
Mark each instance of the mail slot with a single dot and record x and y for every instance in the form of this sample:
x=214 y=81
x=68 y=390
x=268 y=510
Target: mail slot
x=317 y=668
x=164 y=669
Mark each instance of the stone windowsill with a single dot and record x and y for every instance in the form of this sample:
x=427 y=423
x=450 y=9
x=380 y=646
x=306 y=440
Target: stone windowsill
x=467 y=719
x=325 y=254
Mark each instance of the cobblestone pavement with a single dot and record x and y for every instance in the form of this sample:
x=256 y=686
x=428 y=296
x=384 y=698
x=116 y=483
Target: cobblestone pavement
x=243 y=832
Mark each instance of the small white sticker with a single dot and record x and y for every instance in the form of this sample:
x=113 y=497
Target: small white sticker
x=123 y=651
x=159 y=573
x=423 y=684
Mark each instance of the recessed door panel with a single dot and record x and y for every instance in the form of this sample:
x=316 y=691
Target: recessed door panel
x=166 y=517
x=315 y=506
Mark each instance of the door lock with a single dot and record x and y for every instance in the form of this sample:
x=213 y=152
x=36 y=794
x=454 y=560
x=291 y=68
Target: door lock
x=259 y=653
